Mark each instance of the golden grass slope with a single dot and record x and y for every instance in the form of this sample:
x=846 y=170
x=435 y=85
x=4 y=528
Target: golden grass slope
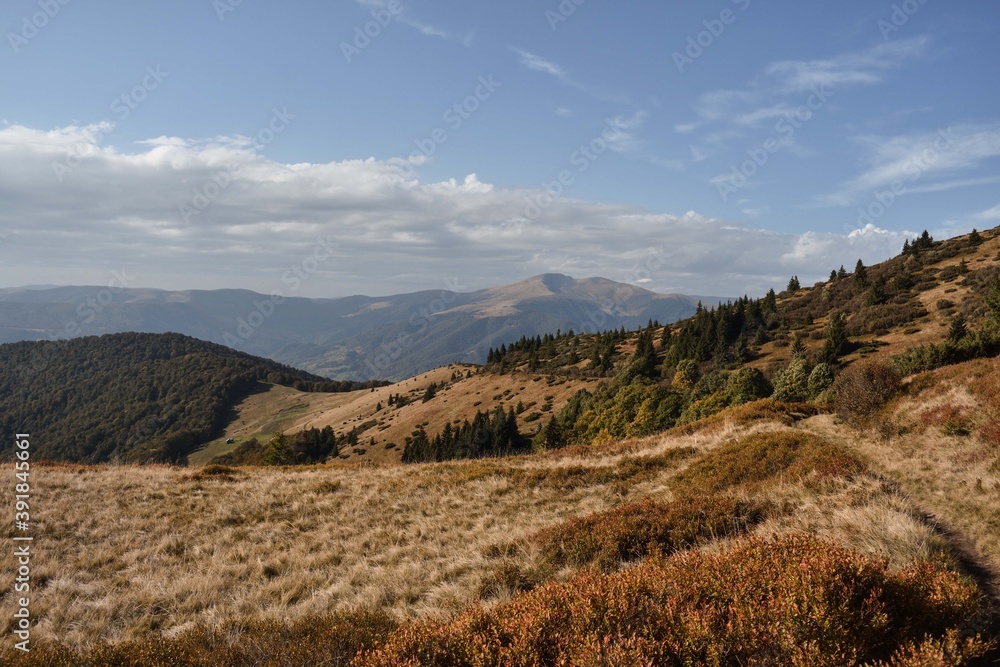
x=130 y=552
x=285 y=410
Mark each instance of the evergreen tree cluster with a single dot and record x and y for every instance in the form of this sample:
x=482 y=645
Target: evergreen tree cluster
x=305 y=447
x=923 y=242
x=131 y=396
x=555 y=351
x=726 y=333
x=487 y=435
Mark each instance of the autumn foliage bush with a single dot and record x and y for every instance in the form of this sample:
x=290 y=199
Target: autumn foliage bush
x=332 y=639
x=761 y=457
x=636 y=530
x=863 y=388
x=794 y=601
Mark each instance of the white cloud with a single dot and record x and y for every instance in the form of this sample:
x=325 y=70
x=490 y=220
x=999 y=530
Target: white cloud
x=537 y=63
x=120 y=209
x=782 y=87
x=989 y=214
x=621 y=132
x=928 y=156
x=863 y=67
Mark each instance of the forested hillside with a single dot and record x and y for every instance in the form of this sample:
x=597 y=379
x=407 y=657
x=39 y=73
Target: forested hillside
x=131 y=397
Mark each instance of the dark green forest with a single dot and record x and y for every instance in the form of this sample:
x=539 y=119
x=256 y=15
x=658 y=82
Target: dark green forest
x=485 y=436
x=132 y=397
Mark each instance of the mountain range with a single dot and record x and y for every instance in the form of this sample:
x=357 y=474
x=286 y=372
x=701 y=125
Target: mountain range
x=356 y=337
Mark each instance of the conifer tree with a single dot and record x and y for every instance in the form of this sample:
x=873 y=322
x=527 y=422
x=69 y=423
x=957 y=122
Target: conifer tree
x=860 y=275
x=836 y=339
x=793 y=284
x=958 y=330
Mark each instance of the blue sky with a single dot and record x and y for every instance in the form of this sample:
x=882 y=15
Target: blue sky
x=695 y=147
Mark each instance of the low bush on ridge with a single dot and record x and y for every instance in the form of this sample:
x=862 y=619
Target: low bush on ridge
x=636 y=530
x=754 y=459
x=792 y=601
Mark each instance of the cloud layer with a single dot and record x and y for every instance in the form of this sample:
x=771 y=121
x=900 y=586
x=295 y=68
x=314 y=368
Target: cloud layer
x=181 y=214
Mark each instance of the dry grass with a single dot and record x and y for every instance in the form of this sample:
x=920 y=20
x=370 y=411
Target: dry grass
x=285 y=410
x=122 y=551
x=126 y=553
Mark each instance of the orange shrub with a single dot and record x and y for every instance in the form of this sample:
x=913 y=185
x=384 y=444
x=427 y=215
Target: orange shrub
x=793 y=601
x=950 y=418
x=862 y=389
x=333 y=639
x=635 y=530
x=763 y=457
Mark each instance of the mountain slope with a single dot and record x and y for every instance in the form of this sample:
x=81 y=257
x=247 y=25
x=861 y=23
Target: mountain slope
x=130 y=397
x=353 y=337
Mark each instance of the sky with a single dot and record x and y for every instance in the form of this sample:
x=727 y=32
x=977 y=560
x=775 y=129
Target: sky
x=387 y=146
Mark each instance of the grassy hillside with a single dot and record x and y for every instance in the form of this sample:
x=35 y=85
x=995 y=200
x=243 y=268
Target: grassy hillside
x=130 y=397
x=262 y=556
x=698 y=495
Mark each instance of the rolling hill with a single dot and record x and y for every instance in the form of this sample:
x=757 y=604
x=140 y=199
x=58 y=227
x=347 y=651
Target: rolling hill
x=358 y=337
x=131 y=397
x=705 y=496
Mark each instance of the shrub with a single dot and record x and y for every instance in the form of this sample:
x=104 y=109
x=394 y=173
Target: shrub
x=792 y=384
x=333 y=639
x=747 y=384
x=635 y=530
x=792 y=601
x=863 y=388
x=820 y=379
x=704 y=407
x=763 y=410
x=761 y=457
x=950 y=418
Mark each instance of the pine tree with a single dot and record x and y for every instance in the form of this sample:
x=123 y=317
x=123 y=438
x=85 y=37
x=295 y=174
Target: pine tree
x=860 y=275
x=771 y=302
x=552 y=436
x=833 y=275
x=842 y=273
x=793 y=284
x=975 y=238
x=906 y=247
x=836 y=339
x=958 y=329
x=993 y=298
x=798 y=348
